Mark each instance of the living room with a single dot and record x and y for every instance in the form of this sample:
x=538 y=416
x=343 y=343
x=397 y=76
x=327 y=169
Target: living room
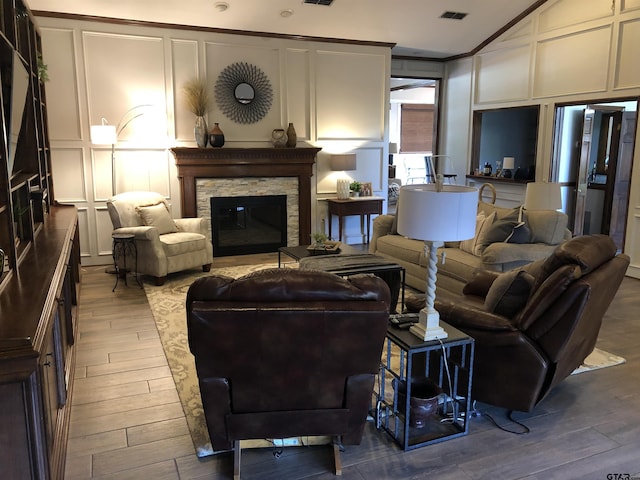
x=540 y=60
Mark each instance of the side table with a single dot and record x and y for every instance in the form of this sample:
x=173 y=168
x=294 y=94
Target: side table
x=447 y=362
x=363 y=206
x=124 y=245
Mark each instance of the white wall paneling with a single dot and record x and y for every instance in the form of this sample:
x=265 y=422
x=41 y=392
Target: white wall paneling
x=627 y=5
x=298 y=91
x=184 y=54
x=346 y=86
x=572 y=12
x=84 y=233
x=63 y=108
x=572 y=64
x=103 y=229
x=69 y=168
x=627 y=73
x=503 y=74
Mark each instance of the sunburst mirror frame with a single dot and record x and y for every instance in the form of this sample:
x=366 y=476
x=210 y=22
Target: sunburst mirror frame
x=234 y=79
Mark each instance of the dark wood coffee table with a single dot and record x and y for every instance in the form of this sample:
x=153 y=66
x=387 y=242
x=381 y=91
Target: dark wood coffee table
x=348 y=264
x=297 y=253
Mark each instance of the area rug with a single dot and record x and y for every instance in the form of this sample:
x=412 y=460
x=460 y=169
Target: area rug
x=167 y=304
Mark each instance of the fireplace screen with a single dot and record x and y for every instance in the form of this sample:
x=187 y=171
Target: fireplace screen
x=243 y=225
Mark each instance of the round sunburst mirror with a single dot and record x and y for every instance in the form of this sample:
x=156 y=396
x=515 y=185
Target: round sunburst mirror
x=243 y=93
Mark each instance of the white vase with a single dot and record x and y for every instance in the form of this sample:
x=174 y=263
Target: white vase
x=342 y=189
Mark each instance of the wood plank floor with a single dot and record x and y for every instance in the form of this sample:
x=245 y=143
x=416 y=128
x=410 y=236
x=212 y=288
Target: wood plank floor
x=127 y=421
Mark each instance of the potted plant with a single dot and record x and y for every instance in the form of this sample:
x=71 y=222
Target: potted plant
x=356 y=188
x=198 y=101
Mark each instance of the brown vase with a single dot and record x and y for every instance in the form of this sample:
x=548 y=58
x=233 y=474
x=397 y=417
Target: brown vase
x=216 y=136
x=292 y=137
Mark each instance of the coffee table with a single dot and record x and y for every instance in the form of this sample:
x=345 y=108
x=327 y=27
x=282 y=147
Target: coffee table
x=297 y=253
x=346 y=264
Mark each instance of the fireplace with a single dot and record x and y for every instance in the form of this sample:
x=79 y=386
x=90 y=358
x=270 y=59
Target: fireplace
x=202 y=171
x=248 y=224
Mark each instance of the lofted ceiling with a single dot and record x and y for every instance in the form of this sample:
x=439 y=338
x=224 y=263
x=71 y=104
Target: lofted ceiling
x=414 y=26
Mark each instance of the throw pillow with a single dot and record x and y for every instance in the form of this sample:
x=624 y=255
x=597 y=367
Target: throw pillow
x=474 y=245
x=521 y=232
x=157 y=216
x=509 y=293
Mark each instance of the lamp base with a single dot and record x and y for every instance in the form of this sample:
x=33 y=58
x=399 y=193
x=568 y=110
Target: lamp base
x=428 y=327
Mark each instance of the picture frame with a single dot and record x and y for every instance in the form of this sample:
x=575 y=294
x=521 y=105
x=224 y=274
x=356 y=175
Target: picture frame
x=367 y=189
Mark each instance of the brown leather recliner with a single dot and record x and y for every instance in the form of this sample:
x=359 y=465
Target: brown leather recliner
x=283 y=353
x=524 y=350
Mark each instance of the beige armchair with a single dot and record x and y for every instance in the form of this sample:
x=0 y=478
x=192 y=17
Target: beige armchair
x=165 y=245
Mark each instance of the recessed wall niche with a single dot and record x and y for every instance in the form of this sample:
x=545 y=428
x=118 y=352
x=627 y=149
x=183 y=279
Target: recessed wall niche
x=506 y=132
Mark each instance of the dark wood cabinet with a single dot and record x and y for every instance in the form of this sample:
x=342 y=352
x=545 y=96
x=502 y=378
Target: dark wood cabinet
x=38 y=326
x=41 y=274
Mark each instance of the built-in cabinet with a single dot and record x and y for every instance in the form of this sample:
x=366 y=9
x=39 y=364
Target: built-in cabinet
x=25 y=165
x=41 y=268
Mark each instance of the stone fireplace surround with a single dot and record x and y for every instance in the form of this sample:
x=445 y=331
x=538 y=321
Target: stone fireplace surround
x=197 y=167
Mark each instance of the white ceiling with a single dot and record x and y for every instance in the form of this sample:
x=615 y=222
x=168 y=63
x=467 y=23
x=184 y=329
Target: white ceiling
x=414 y=26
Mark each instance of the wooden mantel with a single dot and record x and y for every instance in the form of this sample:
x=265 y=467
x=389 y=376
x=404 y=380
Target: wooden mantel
x=263 y=162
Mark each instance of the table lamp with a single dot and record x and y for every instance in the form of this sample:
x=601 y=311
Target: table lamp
x=341 y=163
x=543 y=196
x=508 y=163
x=435 y=213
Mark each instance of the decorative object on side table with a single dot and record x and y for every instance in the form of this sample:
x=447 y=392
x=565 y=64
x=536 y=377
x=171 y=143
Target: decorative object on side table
x=343 y=162
x=216 y=136
x=435 y=213
x=278 y=137
x=356 y=188
x=198 y=101
x=292 y=136
x=508 y=163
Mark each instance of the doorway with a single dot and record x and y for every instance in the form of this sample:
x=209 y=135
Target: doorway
x=592 y=161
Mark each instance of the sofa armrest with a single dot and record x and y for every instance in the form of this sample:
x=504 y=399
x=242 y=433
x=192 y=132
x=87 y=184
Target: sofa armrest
x=140 y=233
x=505 y=253
x=468 y=316
x=193 y=225
x=382 y=225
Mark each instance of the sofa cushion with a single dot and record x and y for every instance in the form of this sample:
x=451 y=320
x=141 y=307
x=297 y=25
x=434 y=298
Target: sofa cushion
x=547 y=226
x=157 y=216
x=402 y=248
x=183 y=242
x=509 y=292
x=476 y=245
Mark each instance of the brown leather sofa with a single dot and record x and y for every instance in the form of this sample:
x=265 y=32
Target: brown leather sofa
x=283 y=353
x=533 y=326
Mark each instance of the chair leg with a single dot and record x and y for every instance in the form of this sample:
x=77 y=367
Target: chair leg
x=236 y=460
x=206 y=268
x=337 y=448
x=160 y=280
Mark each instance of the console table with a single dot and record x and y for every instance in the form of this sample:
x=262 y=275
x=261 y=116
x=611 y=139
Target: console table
x=354 y=206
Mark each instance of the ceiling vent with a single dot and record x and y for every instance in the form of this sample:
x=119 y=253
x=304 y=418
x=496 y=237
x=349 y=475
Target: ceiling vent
x=319 y=2
x=453 y=15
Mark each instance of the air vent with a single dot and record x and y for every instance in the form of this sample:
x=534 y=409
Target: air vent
x=319 y=2
x=453 y=15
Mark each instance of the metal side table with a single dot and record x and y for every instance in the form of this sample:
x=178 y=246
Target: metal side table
x=124 y=245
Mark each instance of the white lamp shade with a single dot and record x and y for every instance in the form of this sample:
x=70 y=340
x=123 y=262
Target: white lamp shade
x=448 y=215
x=103 y=134
x=343 y=162
x=393 y=147
x=508 y=163
x=543 y=196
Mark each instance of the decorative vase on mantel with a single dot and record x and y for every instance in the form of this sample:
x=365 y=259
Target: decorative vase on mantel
x=279 y=138
x=201 y=132
x=292 y=137
x=216 y=137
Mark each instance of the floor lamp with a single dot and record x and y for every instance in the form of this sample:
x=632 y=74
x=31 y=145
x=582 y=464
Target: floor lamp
x=435 y=213
x=105 y=134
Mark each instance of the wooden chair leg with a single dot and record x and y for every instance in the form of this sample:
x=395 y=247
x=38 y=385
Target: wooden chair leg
x=236 y=460
x=337 y=448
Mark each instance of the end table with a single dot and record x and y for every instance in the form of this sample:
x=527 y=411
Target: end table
x=363 y=206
